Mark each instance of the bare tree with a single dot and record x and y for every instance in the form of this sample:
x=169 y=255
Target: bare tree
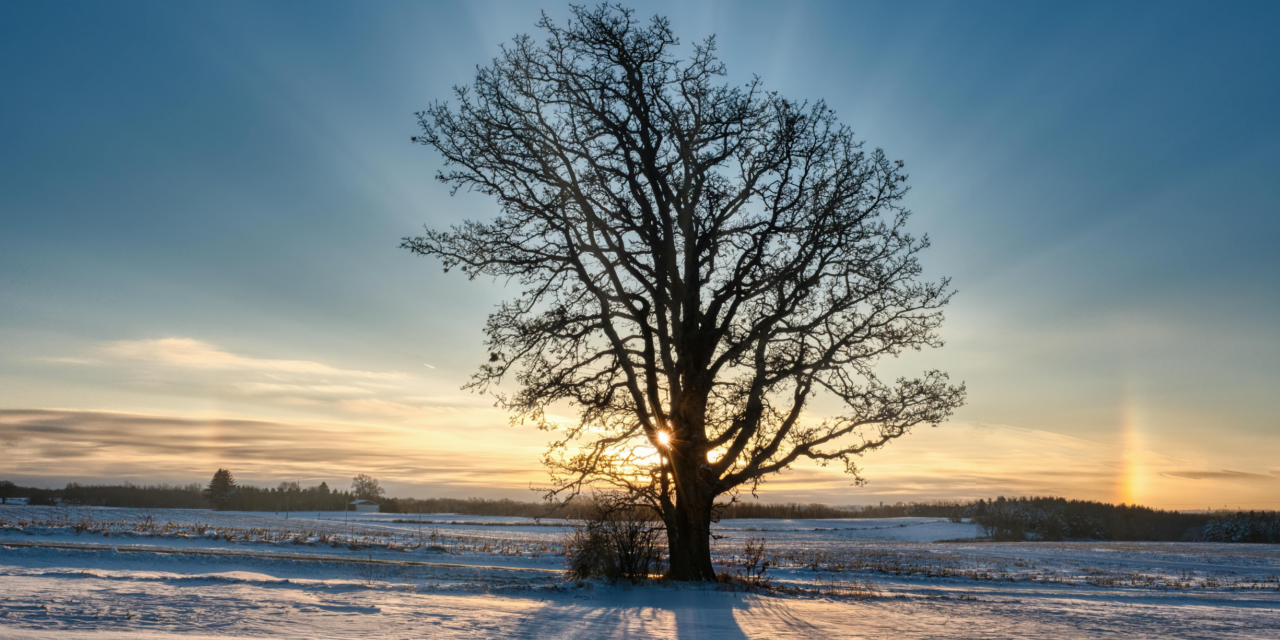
x=366 y=487
x=699 y=263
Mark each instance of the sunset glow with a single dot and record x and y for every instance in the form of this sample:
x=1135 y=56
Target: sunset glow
x=221 y=287
x=1132 y=481
x=651 y=319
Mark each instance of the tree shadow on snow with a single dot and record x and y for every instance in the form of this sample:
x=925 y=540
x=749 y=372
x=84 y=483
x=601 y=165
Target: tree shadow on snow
x=641 y=612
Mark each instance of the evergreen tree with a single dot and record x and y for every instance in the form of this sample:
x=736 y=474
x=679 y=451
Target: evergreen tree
x=222 y=488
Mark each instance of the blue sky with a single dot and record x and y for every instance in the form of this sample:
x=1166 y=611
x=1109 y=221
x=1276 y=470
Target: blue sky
x=200 y=205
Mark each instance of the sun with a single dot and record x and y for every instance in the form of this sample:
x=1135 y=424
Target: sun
x=664 y=438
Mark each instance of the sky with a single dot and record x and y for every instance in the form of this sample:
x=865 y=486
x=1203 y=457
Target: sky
x=200 y=207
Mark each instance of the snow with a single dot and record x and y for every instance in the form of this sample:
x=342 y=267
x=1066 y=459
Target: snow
x=175 y=573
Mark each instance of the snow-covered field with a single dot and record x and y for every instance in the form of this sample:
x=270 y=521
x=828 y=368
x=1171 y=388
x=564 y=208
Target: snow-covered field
x=129 y=573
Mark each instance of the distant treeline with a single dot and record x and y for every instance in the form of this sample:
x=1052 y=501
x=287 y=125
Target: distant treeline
x=1254 y=526
x=784 y=511
x=1025 y=518
x=936 y=509
x=1060 y=519
x=288 y=496
x=583 y=506
x=483 y=507
x=160 y=496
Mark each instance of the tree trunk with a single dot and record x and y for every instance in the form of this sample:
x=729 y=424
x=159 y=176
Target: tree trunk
x=689 y=534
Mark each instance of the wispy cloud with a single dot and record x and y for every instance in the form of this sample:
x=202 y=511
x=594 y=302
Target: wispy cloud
x=151 y=448
x=178 y=366
x=303 y=389
x=1225 y=474
x=464 y=453
x=84 y=361
x=979 y=460
x=196 y=354
x=414 y=429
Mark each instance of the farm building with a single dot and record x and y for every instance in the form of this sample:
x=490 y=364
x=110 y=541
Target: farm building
x=363 y=506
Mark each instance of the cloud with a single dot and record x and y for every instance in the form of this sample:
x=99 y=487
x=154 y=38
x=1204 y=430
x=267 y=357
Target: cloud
x=196 y=369
x=344 y=420
x=1225 y=474
x=81 y=361
x=460 y=451
x=196 y=354
x=276 y=388
x=54 y=443
x=960 y=461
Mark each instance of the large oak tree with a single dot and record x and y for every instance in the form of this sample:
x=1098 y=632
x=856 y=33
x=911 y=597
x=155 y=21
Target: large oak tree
x=698 y=263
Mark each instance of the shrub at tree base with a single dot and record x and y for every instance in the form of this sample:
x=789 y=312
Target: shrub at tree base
x=616 y=542
x=754 y=564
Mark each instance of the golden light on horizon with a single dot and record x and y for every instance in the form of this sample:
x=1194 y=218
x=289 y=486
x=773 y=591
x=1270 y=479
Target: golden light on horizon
x=1131 y=485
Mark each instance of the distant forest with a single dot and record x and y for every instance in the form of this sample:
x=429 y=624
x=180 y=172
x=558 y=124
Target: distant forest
x=190 y=496
x=1003 y=519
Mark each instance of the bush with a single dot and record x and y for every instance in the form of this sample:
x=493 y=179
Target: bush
x=616 y=541
x=753 y=560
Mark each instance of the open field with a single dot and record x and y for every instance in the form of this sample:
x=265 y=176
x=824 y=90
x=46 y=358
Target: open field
x=187 y=573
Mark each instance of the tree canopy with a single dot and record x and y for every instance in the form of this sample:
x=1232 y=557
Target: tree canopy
x=698 y=262
x=366 y=487
x=222 y=488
